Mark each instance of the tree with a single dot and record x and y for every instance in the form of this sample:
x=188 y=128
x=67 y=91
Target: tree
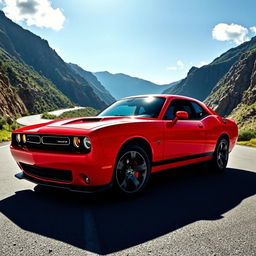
x=2 y=122
x=9 y=122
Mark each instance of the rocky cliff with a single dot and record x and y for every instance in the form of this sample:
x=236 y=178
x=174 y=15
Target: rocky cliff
x=8 y=95
x=235 y=94
x=236 y=87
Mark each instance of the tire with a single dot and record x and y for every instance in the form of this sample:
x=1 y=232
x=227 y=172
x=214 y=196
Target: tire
x=132 y=170
x=220 y=158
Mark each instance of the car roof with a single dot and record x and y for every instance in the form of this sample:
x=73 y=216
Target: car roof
x=173 y=96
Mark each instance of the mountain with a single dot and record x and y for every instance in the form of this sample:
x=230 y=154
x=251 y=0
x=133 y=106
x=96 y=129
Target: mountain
x=7 y=95
x=235 y=94
x=35 y=52
x=200 y=81
x=121 y=85
x=24 y=90
x=98 y=88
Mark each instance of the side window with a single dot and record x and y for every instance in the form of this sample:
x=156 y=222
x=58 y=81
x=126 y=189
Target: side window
x=199 y=111
x=179 y=105
x=141 y=111
x=169 y=114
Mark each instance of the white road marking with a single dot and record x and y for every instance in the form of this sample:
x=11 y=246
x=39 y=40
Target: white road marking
x=5 y=146
x=36 y=119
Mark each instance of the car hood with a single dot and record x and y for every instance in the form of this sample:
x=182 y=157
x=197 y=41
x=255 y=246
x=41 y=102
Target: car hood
x=85 y=124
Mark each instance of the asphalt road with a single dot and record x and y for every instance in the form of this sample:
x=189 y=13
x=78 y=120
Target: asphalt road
x=187 y=211
x=37 y=119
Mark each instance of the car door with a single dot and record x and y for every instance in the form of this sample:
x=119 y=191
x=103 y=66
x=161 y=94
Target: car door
x=185 y=137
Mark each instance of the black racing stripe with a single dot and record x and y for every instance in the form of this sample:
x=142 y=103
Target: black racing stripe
x=179 y=159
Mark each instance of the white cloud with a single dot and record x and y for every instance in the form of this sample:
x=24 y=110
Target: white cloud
x=253 y=29
x=202 y=63
x=34 y=12
x=172 y=68
x=233 y=32
x=179 y=65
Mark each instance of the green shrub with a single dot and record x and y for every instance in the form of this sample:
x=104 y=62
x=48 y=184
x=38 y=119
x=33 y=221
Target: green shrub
x=14 y=126
x=86 y=111
x=246 y=135
x=47 y=115
x=4 y=135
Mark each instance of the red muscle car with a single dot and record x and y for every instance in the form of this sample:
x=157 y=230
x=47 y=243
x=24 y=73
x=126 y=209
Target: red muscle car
x=124 y=144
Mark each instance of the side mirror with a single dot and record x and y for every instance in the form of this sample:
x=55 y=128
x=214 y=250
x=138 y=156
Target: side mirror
x=182 y=115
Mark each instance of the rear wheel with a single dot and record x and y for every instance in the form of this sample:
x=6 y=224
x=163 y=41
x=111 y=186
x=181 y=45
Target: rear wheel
x=132 y=170
x=220 y=159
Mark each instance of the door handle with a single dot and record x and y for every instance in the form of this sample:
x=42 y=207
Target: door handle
x=200 y=126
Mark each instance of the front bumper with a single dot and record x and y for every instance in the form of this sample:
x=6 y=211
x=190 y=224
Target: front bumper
x=96 y=167
x=73 y=188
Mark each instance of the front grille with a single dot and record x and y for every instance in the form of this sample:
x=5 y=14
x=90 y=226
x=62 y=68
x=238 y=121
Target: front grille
x=56 y=143
x=33 y=139
x=56 y=140
x=47 y=173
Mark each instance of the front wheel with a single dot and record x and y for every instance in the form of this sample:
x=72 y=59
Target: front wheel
x=132 y=170
x=220 y=159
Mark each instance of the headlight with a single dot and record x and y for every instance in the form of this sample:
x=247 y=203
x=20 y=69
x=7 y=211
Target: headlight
x=87 y=143
x=24 y=138
x=76 y=142
x=18 y=138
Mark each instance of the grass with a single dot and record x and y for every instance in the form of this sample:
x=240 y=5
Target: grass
x=245 y=117
x=5 y=135
x=6 y=127
x=250 y=143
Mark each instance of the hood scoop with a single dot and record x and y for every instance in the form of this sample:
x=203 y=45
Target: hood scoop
x=84 y=120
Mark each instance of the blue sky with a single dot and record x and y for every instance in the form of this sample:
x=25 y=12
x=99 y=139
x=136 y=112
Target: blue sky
x=158 y=40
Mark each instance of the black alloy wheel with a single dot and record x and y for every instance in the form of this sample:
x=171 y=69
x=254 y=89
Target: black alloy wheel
x=220 y=159
x=132 y=170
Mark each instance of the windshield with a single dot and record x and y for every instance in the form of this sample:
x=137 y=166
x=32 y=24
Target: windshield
x=142 y=106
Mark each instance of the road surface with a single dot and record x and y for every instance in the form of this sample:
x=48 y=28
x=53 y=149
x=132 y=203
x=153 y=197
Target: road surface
x=37 y=119
x=187 y=211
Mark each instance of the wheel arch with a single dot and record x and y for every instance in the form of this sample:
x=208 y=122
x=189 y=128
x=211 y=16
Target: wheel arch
x=225 y=136
x=139 y=141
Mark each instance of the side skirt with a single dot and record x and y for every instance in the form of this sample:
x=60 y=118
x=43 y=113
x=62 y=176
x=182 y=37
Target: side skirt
x=180 y=161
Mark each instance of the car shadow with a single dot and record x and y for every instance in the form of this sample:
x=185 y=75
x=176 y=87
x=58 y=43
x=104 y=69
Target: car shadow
x=105 y=223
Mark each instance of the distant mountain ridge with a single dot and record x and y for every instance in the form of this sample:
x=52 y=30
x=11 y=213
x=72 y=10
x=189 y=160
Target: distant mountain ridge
x=200 y=81
x=121 y=85
x=98 y=88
